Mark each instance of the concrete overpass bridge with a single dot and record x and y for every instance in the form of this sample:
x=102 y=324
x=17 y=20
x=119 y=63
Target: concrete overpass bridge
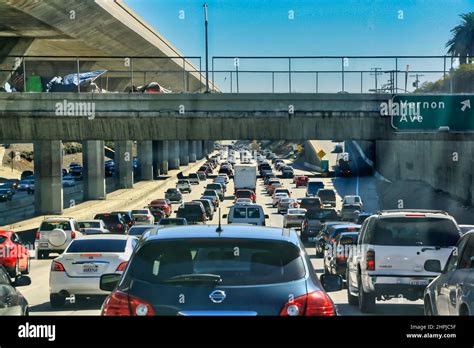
x=219 y=116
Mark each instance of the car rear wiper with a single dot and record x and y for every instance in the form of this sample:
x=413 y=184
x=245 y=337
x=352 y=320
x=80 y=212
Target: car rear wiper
x=194 y=278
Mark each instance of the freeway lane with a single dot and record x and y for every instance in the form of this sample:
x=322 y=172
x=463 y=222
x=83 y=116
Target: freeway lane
x=38 y=293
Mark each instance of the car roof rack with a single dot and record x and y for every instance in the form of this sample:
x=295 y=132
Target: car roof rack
x=433 y=211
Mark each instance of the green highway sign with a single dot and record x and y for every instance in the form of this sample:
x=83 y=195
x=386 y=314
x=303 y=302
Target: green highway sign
x=430 y=113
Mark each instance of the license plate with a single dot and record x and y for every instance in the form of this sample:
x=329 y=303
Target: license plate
x=90 y=269
x=43 y=245
x=419 y=282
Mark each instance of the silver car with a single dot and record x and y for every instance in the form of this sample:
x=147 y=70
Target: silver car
x=294 y=218
x=452 y=292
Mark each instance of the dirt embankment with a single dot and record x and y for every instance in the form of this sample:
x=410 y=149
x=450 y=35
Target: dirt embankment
x=419 y=195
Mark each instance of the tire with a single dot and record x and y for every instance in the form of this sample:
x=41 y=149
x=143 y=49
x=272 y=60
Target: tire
x=351 y=299
x=366 y=300
x=57 y=300
x=28 y=266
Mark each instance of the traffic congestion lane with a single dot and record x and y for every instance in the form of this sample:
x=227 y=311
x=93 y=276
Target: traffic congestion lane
x=38 y=293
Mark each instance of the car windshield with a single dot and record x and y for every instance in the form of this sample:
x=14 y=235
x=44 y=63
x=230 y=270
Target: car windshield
x=415 y=232
x=97 y=246
x=258 y=262
x=52 y=225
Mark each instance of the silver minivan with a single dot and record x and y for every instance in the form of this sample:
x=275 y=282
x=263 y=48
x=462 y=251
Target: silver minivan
x=252 y=214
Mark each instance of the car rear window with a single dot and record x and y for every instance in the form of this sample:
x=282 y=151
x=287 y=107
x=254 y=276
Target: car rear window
x=97 y=246
x=244 y=194
x=238 y=262
x=191 y=209
x=138 y=231
x=296 y=211
x=171 y=222
x=52 y=225
x=315 y=184
x=335 y=230
x=321 y=214
x=415 y=232
x=326 y=194
x=246 y=212
x=140 y=212
x=89 y=224
x=310 y=201
x=108 y=218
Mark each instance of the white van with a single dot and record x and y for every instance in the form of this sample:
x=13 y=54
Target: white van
x=252 y=214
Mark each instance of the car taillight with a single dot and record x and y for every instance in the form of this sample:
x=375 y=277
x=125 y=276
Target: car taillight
x=370 y=260
x=38 y=235
x=57 y=267
x=73 y=234
x=316 y=303
x=120 y=304
x=119 y=225
x=122 y=266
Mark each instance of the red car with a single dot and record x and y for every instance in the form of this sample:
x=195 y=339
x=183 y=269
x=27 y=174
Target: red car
x=245 y=194
x=14 y=256
x=164 y=205
x=301 y=180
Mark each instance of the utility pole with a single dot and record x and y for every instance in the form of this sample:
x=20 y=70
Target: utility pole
x=416 y=84
x=375 y=73
x=207 y=48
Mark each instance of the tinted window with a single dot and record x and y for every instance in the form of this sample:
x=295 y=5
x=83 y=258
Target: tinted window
x=311 y=201
x=335 y=231
x=51 y=225
x=140 y=212
x=209 y=193
x=320 y=214
x=326 y=194
x=91 y=224
x=3 y=239
x=240 y=213
x=244 y=194
x=97 y=246
x=108 y=219
x=138 y=231
x=191 y=209
x=415 y=232
x=258 y=262
x=467 y=258
x=172 y=222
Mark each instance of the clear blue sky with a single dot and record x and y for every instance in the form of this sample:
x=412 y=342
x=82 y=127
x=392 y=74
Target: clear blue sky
x=319 y=27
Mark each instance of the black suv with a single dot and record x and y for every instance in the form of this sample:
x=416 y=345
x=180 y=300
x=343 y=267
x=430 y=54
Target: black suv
x=114 y=222
x=193 y=212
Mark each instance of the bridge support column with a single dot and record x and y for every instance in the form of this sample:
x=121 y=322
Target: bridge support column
x=145 y=159
x=48 y=177
x=198 y=149
x=173 y=154
x=94 y=169
x=160 y=157
x=124 y=164
x=184 y=152
x=192 y=151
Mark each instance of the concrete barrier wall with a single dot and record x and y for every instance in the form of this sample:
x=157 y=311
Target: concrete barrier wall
x=311 y=155
x=445 y=165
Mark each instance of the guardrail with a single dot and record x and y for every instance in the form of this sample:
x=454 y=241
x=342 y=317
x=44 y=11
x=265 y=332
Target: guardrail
x=237 y=74
x=329 y=74
x=123 y=73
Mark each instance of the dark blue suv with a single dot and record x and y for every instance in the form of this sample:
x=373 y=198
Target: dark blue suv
x=205 y=270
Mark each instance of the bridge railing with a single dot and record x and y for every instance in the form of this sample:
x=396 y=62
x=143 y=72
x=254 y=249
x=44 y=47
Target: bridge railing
x=330 y=74
x=122 y=73
x=239 y=74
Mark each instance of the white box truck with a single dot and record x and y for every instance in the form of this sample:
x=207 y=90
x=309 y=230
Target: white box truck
x=245 y=177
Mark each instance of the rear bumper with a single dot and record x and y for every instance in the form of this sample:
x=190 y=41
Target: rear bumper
x=411 y=287
x=61 y=282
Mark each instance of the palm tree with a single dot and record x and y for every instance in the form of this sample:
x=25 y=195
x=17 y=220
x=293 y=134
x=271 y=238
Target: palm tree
x=462 y=42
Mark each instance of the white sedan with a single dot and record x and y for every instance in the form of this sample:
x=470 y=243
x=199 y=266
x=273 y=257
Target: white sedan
x=277 y=197
x=77 y=271
x=143 y=217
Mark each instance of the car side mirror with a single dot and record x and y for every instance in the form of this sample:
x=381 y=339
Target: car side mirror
x=22 y=281
x=433 y=266
x=224 y=216
x=266 y=216
x=109 y=281
x=175 y=211
x=331 y=282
